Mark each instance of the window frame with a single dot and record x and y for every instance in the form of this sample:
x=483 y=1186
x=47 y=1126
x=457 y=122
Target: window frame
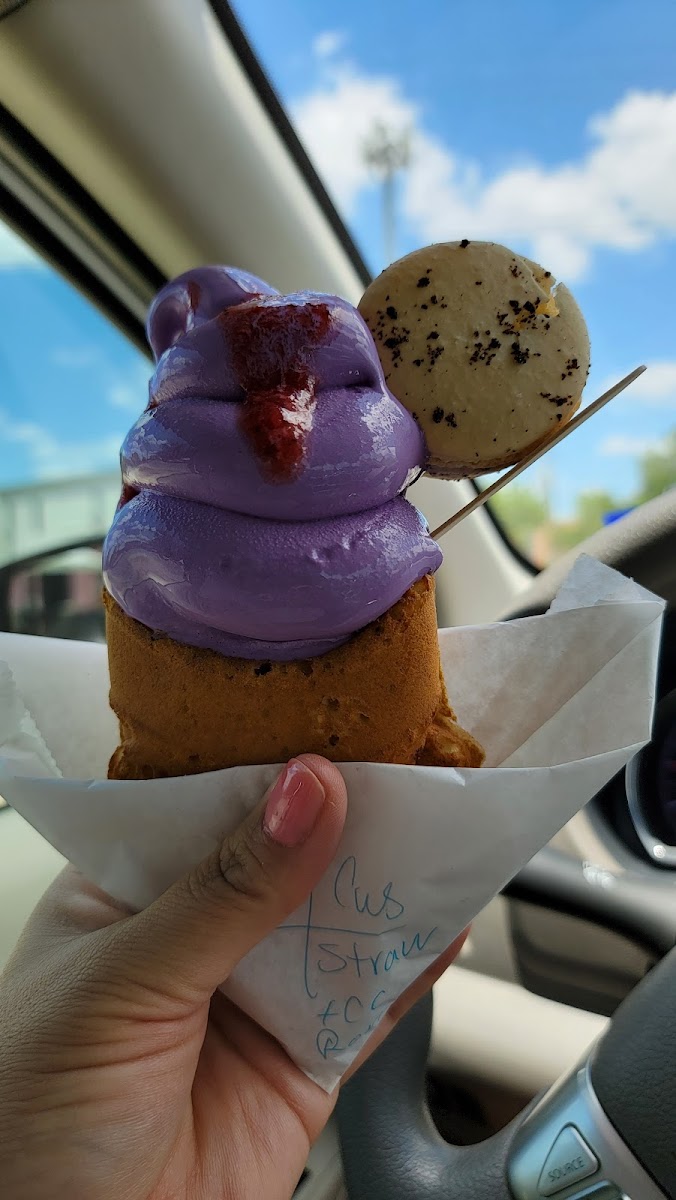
x=46 y=206
x=500 y=527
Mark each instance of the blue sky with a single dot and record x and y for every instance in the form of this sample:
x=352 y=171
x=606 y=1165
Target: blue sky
x=71 y=384
x=553 y=132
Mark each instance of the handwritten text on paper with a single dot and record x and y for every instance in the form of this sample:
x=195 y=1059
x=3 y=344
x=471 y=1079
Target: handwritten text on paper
x=343 y=952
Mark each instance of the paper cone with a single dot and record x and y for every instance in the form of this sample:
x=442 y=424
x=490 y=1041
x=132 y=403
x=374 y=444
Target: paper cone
x=561 y=702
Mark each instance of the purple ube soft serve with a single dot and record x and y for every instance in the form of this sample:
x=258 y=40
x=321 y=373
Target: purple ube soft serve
x=262 y=513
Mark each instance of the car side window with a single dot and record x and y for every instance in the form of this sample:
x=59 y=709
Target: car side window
x=70 y=386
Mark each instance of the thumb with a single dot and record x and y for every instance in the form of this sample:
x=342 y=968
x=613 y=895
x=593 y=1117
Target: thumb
x=187 y=942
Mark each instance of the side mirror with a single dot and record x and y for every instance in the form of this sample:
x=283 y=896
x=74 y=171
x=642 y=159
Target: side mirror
x=56 y=594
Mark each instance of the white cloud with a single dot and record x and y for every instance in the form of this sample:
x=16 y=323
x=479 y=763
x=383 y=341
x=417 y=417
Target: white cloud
x=619 y=194
x=625 y=445
x=52 y=458
x=656 y=388
x=15 y=252
x=123 y=395
x=335 y=120
x=76 y=358
x=130 y=393
x=329 y=43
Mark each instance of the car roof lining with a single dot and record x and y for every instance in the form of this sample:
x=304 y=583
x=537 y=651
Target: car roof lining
x=185 y=156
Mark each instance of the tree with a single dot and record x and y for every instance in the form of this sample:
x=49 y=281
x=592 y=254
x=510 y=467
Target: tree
x=522 y=512
x=591 y=508
x=658 y=469
x=540 y=536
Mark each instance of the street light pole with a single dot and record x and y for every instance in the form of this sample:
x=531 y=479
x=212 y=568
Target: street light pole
x=387 y=153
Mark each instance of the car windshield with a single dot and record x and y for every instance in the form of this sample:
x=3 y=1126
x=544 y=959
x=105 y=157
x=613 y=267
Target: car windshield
x=552 y=131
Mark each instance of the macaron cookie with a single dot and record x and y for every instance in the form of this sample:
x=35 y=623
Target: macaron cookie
x=482 y=347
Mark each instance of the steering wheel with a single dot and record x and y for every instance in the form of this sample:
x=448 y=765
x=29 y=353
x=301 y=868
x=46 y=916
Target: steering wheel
x=607 y=1130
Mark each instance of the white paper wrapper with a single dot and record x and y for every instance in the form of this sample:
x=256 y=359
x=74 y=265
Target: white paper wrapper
x=561 y=702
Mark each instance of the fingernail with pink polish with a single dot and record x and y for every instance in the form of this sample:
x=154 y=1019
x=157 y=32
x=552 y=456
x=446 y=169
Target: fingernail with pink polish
x=293 y=805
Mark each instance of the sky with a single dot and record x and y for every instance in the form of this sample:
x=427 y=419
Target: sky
x=553 y=131
x=70 y=383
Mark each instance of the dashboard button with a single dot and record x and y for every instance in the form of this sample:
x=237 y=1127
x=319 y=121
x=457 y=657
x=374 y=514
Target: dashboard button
x=569 y=1161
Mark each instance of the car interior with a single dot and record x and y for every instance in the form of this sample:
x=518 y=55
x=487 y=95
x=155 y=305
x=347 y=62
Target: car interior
x=117 y=188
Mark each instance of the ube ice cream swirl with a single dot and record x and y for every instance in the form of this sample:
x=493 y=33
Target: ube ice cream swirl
x=261 y=512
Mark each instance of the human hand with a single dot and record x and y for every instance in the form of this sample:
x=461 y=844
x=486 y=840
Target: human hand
x=124 y=1075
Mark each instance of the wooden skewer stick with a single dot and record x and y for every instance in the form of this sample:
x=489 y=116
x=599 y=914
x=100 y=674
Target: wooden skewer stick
x=581 y=417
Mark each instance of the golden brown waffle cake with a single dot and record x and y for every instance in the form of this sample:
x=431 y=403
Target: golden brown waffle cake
x=378 y=698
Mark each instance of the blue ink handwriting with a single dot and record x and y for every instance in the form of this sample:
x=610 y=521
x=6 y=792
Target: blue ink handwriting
x=348 y=894
x=349 y=955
